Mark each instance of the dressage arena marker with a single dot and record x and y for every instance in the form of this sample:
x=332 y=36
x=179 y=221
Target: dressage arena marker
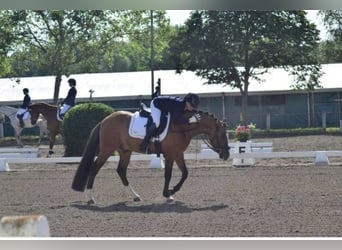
x=240 y=148
x=4 y=165
x=24 y=226
x=243 y=147
x=157 y=162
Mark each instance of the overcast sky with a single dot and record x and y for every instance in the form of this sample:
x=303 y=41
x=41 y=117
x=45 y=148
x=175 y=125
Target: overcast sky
x=178 y=17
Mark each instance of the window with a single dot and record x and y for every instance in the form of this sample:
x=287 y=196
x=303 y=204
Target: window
x=268 y=100
x=252 y=100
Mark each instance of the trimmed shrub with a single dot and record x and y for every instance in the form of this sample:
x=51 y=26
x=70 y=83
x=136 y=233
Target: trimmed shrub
x=78 y=123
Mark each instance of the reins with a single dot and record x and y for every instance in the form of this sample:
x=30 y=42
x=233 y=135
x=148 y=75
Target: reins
x=206 y=142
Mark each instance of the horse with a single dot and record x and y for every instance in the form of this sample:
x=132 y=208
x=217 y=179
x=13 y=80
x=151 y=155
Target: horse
x=11 y=113
x=50 y=112
x=112 y=134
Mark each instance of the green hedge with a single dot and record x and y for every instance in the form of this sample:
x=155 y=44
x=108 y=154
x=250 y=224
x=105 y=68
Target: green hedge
x=78 y=123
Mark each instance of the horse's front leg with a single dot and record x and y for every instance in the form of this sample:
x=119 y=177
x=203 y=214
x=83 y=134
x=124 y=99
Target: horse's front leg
x=18 y=139
x=52 y=142
x=122 y=172
x=167 y=176
x=182 y=166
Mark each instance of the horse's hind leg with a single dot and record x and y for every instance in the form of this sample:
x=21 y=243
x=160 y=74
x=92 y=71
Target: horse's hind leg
x=122 y=171
x=94 y=169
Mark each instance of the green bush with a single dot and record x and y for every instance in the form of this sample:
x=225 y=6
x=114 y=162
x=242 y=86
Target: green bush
x=78 y=123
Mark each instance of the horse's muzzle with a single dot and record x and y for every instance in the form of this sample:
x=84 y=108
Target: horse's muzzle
x=224 y=155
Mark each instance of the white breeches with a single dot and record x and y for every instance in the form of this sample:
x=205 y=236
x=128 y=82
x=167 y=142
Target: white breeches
x=22 y=111
x=64 y=109
x=155 y=113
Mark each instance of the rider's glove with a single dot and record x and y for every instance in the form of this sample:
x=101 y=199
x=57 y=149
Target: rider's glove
x=195 y=118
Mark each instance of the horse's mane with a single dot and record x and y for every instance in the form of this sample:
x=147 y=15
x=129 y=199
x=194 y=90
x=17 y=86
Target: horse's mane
x=217 y=120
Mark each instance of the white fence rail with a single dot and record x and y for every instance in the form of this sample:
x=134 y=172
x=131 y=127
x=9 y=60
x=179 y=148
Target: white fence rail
x=321 y=157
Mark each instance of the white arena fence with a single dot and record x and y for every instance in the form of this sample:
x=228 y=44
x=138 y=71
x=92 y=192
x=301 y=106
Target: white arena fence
x=243 y=154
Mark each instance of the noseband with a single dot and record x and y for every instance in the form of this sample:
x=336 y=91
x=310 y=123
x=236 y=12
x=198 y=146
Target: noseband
x=218 y=150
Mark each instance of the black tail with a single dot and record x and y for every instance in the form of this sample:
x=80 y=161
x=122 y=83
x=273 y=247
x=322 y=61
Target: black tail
x=82 y=173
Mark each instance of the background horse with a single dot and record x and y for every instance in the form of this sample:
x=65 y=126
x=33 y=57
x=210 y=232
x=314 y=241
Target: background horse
x=11 y=113
x=111 y=134
x=50 y=113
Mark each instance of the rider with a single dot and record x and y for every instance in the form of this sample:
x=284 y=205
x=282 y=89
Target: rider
x=24 y=107
x=162 y=105
x=69 y=101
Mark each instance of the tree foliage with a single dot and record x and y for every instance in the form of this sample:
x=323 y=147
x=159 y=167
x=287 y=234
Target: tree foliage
x=233 y=47
x=331 y=49
x=64 y=42
x=56 y=40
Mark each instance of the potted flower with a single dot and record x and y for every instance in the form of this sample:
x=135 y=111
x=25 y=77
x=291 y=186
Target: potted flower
x=243 y=132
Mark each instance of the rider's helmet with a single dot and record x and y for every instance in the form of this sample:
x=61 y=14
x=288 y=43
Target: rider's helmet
x=193 y=99
x=25 y=90
x=72 y=82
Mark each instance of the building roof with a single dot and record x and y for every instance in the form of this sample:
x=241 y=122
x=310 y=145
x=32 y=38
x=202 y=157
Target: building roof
x=132 y=85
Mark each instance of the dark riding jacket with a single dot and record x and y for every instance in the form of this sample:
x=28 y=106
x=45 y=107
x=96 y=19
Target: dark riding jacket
x=70 y=99
x=174 y=105
x=26 y=102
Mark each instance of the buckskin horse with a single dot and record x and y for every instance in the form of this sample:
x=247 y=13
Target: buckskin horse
x=50 y=113
x=112 y=134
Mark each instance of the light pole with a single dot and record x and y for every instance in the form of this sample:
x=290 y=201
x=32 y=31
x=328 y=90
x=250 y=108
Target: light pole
x=152 y=53
x=91 y=91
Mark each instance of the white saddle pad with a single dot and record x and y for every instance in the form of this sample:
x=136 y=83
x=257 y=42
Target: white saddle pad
x=137 y=127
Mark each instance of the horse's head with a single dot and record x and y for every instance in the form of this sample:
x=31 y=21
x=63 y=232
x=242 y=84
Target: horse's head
x=217 y=132
x=34 y=112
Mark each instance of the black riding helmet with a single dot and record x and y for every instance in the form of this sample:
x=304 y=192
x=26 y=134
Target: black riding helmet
x=193 y=99
x=25 y=90
x=72 y=82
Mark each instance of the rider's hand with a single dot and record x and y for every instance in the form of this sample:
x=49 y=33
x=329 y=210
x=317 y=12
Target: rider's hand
x=195 y=118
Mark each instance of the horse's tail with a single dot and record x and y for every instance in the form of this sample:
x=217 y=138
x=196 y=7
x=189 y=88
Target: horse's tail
x=82 y=173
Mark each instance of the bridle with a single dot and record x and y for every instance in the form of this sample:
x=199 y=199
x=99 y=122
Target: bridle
x=218 y=150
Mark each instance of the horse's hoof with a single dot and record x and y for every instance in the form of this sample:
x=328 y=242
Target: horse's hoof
x=170 y=199
x=51 y=152
x=137 y=199
x=91 y=202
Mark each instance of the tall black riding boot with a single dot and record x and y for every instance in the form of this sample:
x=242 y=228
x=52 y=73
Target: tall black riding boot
x=21 y=121
x=149 y=133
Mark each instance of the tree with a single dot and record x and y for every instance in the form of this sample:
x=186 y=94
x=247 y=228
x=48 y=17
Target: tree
x=64 y=42
x=332 y=48
x=138 y=49
x=7 y=39
x=233 y=47
x=56 y=39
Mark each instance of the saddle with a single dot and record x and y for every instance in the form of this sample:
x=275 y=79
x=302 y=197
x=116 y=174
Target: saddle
x=142 y=119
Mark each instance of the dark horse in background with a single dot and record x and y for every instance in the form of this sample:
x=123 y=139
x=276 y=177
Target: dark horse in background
x=50 y=113
x=111 y=134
